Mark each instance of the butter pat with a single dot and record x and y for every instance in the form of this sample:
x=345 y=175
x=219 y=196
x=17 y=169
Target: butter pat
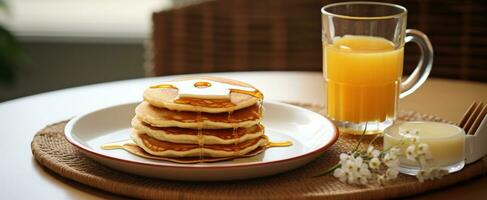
x=446 y=143
x=206 y=89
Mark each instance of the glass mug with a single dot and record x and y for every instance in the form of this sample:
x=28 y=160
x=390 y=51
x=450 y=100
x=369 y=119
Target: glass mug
x=363 y=47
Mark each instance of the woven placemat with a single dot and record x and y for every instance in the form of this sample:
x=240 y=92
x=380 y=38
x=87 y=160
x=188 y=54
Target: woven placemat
x=51 y=149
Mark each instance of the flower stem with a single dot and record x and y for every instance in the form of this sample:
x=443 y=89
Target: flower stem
x=374 y=139
x=361 y=138
x=331 y=169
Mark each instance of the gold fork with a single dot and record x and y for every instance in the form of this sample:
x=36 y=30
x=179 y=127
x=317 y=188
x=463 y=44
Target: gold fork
x=474 y=122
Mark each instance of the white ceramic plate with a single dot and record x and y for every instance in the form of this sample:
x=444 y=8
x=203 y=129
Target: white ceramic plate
x=311 y=134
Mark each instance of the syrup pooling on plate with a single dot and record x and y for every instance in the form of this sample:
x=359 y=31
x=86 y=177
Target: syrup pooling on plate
x=131 y=147
x=136 y=150
x=116 y=145
x=279 y=144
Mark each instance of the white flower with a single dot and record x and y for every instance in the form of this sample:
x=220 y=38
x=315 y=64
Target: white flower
x=413 y=139
x=372 y=153
x=340 y=174
x=361 y=180
x=394 y=151
x=423 y=150
x=374 y=163
x=391 y=160
x=403 y=131
x=350 y=166
x=344 y=176
x=408 y=132
x=412 y=135
x=351 y=179
x=353 y=170
x=425 y=174
x=411 y=152
x=439 y=173
x=422 y=175
x=431 y=174
x=414 y=131
x=381 y=179
x=391 y=173
x=421 y=160
x=344 y=157
x=364 y=170
x=358 y=161
x=419 y=152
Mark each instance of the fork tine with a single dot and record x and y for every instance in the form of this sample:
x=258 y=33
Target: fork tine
x=467 y=114
x=473 y=116
x=477 y=121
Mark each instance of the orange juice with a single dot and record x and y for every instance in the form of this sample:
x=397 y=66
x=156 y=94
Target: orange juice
x=363 y=77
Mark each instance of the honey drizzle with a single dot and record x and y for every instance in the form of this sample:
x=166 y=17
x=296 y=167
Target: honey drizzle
x=279 y=144
x=237 y=141
x=235 y=134
x=200 y=135
x=261 y=104
x=116 y=145
x=256 y=93
x=164 y=86
x=202 y=84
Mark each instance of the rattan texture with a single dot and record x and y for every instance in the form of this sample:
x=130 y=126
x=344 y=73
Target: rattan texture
x=236 y=35
x=52 y=150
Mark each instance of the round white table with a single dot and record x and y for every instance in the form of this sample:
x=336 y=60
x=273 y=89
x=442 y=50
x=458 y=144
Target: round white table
x=22 y=178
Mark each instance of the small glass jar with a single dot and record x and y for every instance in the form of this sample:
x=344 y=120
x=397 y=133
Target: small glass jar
x=446 y=143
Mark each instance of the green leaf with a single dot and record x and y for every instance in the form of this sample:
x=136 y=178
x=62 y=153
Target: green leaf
x=11 y=56
x=3 y=6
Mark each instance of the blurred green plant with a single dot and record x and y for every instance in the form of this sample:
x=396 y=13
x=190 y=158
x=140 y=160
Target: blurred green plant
x=11 y=55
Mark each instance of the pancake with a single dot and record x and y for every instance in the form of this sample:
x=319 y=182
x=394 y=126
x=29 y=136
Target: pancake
x=161 y=117
x=169 y=149
x=218 y=100
x=190 y=136
x=136 y=150
x=198 y=119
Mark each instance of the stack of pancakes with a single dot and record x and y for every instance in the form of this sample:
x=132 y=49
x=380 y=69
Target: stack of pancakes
x=202 y=117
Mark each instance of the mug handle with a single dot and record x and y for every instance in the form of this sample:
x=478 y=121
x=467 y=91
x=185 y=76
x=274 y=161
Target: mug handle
x=423 y=69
